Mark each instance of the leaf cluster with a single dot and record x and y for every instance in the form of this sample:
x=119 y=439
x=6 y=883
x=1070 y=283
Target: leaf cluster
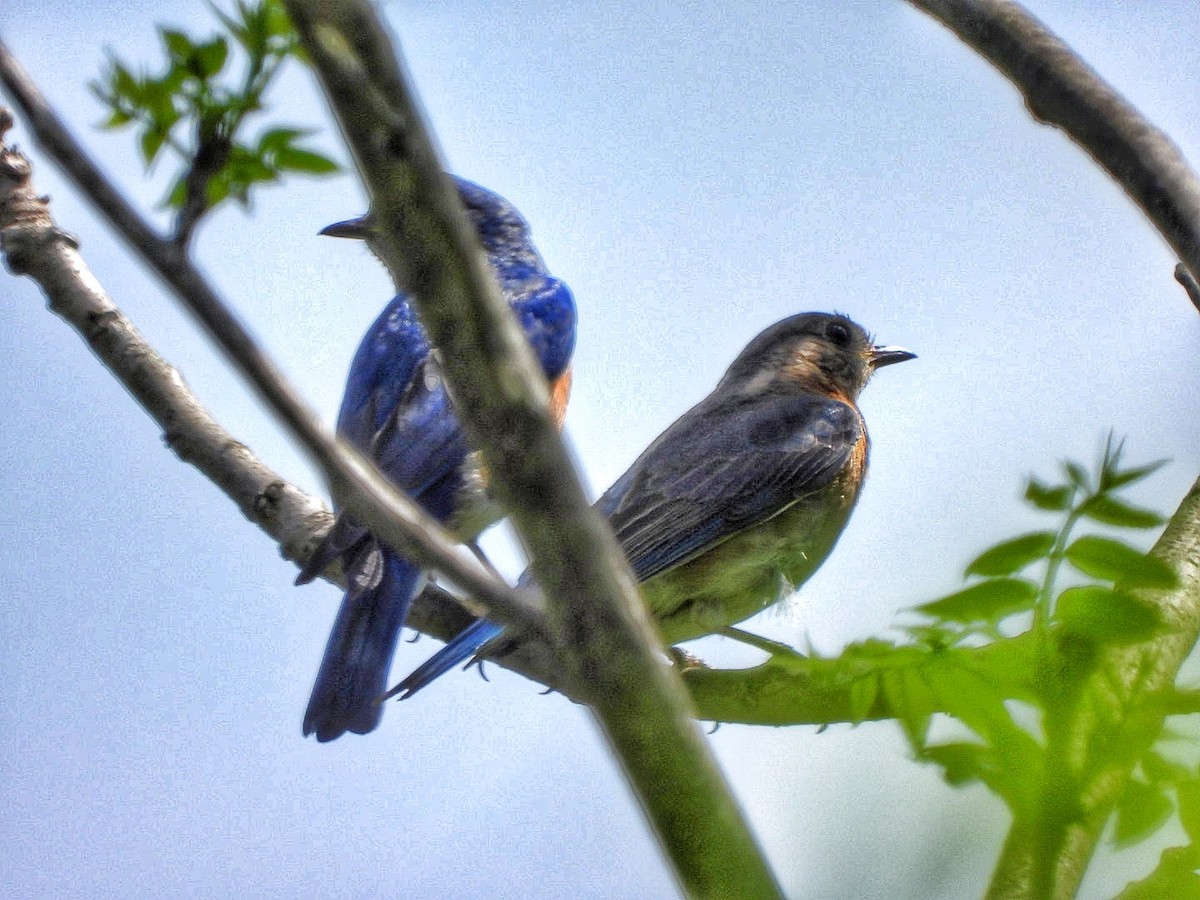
x=1048 y=606
x=1035 y=675
x=197 y=111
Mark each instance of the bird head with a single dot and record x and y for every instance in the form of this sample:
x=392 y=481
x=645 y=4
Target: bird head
x=496 y=221
x=825 y=352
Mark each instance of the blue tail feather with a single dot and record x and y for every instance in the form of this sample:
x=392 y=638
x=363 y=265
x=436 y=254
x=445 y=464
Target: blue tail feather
x=358 y=656
x=461 y=648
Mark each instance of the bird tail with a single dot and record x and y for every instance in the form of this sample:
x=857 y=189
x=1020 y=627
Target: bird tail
x=461 y=648
x=354 y=670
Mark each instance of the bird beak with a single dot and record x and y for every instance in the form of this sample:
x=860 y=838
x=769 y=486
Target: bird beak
x=886 y=356
x=359 y=228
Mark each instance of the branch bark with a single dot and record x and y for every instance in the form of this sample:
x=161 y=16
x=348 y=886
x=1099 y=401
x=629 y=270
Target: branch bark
x=34 y=246
x=1060 y=89
x=610 y=647
x=361 y=487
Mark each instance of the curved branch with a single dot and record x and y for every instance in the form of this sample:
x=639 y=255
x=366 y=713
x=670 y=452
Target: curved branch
x=1060 y=89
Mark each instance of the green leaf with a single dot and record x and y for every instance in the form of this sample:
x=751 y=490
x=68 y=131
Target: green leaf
x=1110 y=560
x=246 y=167
x=116 y=119
x=295 y=160
x=863 y=692
x=963 y=693
x=177 y=195
x=179 y=45
x=988 y=601
x=1158 y=769
x=962 y=763
x=210 y=57
x=1106 y=615
x=1013 y=555
x=123 y=82
x=276 y=20
x=1045 y=497
x=277 y=139
x=910 y=701
x=1141 y=811
x=158 y=97
x=151 y=142
x=1129 y=476
x=1077 y=473
x=1008 y=666
x=1175 y=878
x=1188 y=793
x=1111 y=511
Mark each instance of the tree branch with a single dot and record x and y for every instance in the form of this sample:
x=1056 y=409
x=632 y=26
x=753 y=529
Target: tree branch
x=1185 y=278
x=34 y=246
x=361 y=488
x=610 y=645
x=804 y=691
x=1060 y=89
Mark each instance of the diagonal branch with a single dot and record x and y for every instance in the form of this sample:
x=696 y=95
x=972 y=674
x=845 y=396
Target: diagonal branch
x=34 y=246
x=611 y=654
x=1060 y=89
x=364 y=491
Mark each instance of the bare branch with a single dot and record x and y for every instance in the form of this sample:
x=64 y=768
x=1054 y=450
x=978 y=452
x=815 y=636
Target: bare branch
x=33 y=246
x=365 y=492
x=1060 y=89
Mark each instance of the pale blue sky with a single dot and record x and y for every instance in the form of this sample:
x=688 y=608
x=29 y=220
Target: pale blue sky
x=695 y=173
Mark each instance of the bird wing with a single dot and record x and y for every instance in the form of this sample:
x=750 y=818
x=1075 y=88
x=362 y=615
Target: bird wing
x=382 y=370
x=396 y=409
x=724 y=467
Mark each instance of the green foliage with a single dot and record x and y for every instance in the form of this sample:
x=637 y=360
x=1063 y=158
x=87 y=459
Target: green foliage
x=1059 y=636
x=197 y=112
x=1025 y=662
x=988 y=601
x=1176 y=877
x=1040 y=679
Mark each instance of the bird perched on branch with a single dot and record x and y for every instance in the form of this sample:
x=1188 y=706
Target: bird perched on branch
x=743 y=497
x=396 y=409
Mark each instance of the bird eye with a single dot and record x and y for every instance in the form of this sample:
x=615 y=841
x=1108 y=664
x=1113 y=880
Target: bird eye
x=838 y=333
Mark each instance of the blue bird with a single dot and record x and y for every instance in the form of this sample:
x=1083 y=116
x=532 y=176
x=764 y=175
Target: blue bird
x=740 y=500
x=396 y=410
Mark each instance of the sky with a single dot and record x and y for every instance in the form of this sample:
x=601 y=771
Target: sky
x=695 y=172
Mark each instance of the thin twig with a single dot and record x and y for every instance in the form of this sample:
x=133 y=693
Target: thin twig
x=360 y=487
x=1060 y=89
